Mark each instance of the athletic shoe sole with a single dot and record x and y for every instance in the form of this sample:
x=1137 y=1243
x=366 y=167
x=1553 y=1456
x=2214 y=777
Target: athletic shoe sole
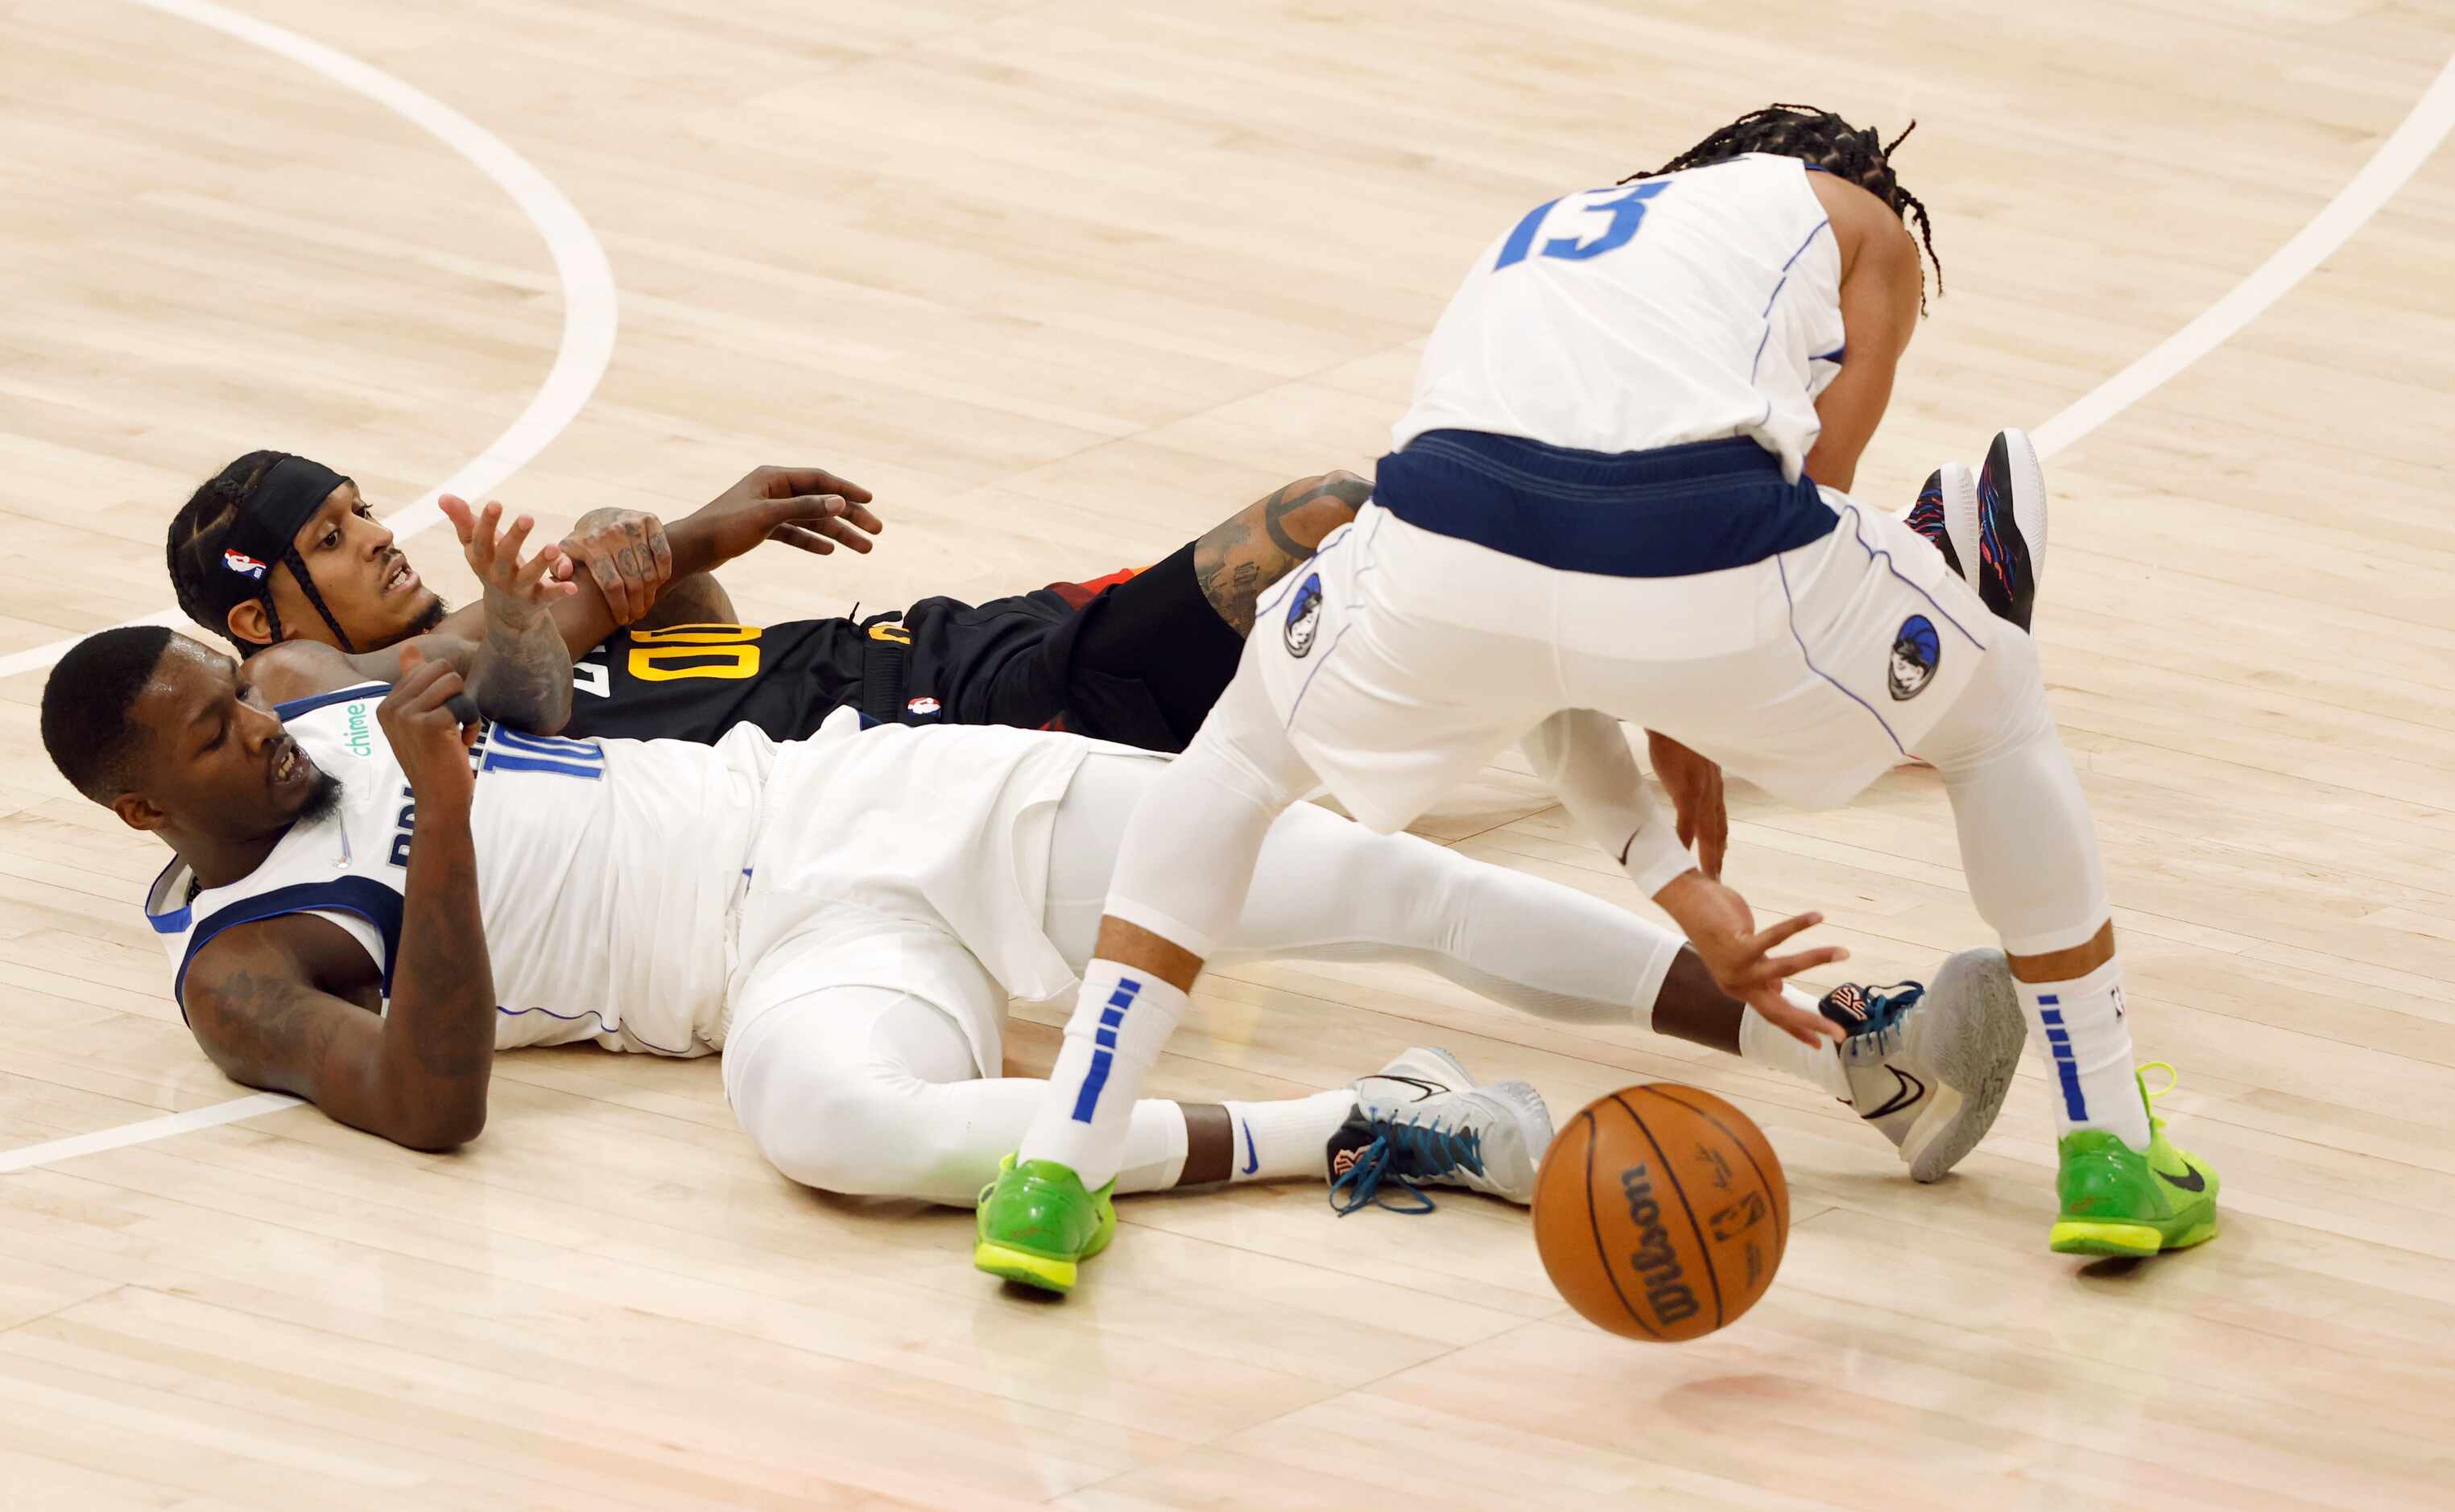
x=2012 y=526
x=1976 y=1065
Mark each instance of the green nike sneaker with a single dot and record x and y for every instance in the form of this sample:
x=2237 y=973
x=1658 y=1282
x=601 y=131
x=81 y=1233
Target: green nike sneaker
x=1037 y=1225
x=2117 y=1200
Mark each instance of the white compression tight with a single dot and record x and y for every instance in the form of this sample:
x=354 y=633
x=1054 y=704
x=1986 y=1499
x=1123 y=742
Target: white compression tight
x=1326 y=888
x=873 y=1091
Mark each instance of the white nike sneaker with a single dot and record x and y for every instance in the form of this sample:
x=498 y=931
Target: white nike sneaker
x=1929 y=1064
x=1421 y=1120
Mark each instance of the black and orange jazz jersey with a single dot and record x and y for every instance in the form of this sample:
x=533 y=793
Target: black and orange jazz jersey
x=1137 y=658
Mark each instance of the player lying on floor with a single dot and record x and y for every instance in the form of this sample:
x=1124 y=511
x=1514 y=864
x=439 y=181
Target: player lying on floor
x=276 y=548
x=843 y=917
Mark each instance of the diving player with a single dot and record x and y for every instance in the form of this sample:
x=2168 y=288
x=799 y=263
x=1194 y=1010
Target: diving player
x=845 y=916
x=1604 y=501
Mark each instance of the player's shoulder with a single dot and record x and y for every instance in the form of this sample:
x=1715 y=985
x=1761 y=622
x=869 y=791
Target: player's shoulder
x=1862 y=224
x=299 y=669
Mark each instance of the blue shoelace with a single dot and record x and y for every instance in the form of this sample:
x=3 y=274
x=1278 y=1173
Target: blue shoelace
x=1406 y=1153
x=1876 y=1011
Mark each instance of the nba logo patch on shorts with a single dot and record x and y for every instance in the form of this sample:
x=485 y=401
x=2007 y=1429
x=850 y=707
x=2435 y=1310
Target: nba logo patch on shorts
x=1916 y=652
x=922 y=706
x=1304 y=616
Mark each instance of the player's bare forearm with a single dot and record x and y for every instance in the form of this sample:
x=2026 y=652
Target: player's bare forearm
x=520 y=672
x=440 y=1034
x=1236 y=560
x=698 y=599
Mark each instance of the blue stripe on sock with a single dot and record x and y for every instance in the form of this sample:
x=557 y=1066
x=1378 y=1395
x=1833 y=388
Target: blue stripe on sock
x=2057 y=1037
x=2048 y=998
x=2050 y=1016
x=2067 y=1072
x=1089 y=1099
x=1086 y=1101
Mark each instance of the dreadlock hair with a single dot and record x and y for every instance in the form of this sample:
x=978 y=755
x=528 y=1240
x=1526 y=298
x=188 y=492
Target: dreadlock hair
x=1823 y=140
x=201 y=529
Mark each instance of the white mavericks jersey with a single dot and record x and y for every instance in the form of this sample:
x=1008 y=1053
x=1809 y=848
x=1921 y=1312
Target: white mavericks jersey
x=1699 y=306
x=607 y=872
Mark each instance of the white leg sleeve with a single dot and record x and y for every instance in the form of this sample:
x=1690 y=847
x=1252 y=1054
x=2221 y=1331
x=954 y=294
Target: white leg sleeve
x=2027 y=842
x=1181 y=874
x=1329 y=889
x=2030 y=852
x=871 y=1092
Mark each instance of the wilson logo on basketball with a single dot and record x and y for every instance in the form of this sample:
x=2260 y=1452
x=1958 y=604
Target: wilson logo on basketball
x=1664 y=1280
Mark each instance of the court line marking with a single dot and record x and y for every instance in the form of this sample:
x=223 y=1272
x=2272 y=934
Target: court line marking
x=2398 y=158
x=161 y=1128
x=589 y=305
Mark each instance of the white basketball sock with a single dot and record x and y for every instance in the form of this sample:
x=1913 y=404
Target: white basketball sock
x=1122 y=1017
x=2085 y=1034
x=1766 y=1044
x=1278 y=1141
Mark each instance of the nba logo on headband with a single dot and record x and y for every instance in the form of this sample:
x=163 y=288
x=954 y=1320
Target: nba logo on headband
x=244 y=565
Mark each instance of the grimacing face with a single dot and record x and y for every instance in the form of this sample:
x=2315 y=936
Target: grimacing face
x=365 y=579
x=213 y=757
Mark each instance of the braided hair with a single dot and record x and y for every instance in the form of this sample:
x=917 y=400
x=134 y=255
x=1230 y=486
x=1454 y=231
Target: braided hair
x=1820 y=139
x=193 y=550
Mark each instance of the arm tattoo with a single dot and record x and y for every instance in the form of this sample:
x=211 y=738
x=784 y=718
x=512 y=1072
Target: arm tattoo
x=521 y=674
x=269 y=1036
x=1244 y=554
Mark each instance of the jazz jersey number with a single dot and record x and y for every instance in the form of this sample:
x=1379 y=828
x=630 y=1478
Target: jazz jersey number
x=729 y=652
x=1626 y=213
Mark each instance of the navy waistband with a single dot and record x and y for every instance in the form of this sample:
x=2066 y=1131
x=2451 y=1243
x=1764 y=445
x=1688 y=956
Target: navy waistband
x=1673 y=511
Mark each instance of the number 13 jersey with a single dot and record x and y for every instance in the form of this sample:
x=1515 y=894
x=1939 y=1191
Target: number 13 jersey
x=1698 y=306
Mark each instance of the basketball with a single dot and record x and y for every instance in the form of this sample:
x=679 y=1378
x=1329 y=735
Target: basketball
x=1661 y=1213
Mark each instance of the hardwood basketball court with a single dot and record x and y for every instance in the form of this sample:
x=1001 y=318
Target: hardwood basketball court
x=1064 y=283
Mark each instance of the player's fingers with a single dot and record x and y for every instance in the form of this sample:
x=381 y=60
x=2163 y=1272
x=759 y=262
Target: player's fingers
x=561 y=569
x=1805 y=1027
x=660 y=553
x=843 y=531
x=514 y=541
x=1779 y=969
x=479 y=542
x=865 y=518
x=411 y=694
x=609 y=582
x=1765 y=939
x=807 y=540
x=456 y=509
x=819 y=481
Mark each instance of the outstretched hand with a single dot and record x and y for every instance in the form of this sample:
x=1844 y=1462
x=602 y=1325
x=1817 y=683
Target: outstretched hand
x=804 y=507
x=1719 y=923
x=516 y=591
